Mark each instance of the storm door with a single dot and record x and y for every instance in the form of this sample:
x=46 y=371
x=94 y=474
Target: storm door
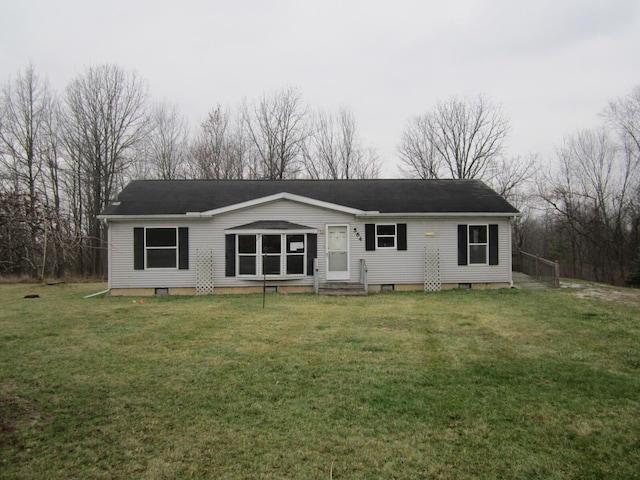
x=337 y=252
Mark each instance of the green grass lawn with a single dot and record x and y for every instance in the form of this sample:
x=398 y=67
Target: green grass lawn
x=463 y=384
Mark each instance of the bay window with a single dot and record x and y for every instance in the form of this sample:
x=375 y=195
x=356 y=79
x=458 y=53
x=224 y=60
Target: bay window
x=270 y=254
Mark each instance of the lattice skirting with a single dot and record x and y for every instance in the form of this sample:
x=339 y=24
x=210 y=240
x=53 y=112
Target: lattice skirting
x=432 y=282
x=204 y=272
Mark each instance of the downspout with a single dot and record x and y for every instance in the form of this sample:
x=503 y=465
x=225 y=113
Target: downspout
x=108 y=226
x=513 y=219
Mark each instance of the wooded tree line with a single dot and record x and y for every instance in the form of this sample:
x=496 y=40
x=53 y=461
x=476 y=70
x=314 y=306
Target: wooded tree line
x=582 y=208
x=65 y=155
x=591 y=217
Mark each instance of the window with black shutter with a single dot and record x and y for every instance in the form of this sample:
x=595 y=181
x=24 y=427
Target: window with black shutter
x=160 y=247
x=478 y=244
x=385 y=236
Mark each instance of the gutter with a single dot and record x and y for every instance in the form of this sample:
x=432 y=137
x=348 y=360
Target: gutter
x=174 y=216
x=200 y=215
x=437 y=214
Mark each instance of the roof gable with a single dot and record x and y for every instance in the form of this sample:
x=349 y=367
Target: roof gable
x=275 y=197
x=360 y=197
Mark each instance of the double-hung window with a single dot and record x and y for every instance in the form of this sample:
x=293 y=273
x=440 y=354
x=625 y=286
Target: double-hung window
x=271 y=254
x=160 y=247
x=478 y=244
x=386 y=235
x=295 y=254
x=247 y=255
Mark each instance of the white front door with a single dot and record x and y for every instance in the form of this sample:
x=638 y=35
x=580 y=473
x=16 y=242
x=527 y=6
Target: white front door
x=337 y=252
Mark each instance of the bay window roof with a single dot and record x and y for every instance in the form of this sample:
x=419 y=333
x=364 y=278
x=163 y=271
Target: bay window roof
x=273 y=225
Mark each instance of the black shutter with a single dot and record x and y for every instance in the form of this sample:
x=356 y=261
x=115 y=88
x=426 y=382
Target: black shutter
x=183 y=248
x=401 y=231
x=138 y=248
x=230 y=255
x=462 y=245
x=312 y=251
x=370 y=236
x=493 y=244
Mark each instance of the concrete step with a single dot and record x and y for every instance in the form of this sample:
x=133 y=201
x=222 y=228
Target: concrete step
x=525 y=282
x=341 y=289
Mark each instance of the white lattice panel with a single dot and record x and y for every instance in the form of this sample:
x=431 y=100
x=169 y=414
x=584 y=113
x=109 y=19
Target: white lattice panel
x=432 y=281
x=204 y=272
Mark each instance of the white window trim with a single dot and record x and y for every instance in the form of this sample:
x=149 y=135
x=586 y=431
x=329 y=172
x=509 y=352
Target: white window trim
x=240 y=255
x=394 y=236
x=176 y=248
x=485 y=244
x=283 y=254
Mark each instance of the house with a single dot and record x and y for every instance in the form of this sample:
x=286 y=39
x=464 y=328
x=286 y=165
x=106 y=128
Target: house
x=223 y=236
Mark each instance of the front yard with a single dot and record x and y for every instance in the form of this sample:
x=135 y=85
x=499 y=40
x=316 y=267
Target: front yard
x=463 y=384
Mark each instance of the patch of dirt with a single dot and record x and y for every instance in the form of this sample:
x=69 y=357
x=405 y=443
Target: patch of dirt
x=18 y=412
x=606 y=293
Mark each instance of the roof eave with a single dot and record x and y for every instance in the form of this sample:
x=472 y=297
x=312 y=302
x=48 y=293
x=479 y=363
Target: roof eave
x=358 y=214
x=172 y=216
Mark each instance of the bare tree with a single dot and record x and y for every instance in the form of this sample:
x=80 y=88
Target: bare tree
x=418 y=155
x=28 y=145
x=105 y=118
x=624 y=116
x=163 y=153
x=218 y=151
x=24 y=108
x=277 y=128
x=508 y=176
x=591 y=194
x=334 y=150
x=457 y=139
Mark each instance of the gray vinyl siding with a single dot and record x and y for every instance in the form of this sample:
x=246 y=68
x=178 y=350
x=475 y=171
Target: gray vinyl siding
x=384 y=266
x=397 y=267
x=121 y=272
x=294 y=212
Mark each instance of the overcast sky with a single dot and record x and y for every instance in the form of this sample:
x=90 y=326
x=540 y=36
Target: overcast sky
x=551 y=64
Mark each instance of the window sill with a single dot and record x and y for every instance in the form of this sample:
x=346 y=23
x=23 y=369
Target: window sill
x=260 y=278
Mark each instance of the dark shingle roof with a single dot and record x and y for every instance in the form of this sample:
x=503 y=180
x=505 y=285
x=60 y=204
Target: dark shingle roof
x=162 y=197
x=272 y=225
